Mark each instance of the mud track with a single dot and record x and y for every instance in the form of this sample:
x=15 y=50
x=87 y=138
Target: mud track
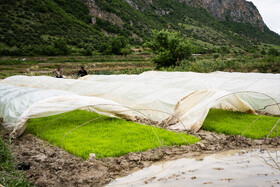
x=52 y=166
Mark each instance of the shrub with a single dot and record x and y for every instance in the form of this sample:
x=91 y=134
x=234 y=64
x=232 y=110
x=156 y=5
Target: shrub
x=118 y=43
x=273 y=52
x=263 y=52
x=216 y=55
x=62 y=47
x=125 y=51
x=105 y=48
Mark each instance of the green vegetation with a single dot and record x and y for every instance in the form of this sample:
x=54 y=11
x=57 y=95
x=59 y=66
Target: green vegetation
x=105 y=136
x=273 y=52
x=35 y=28
x=235 y=123
x=35 y=66
x=31 y=27
x=137 y=63
x=9 y=175
x=229 y=63
x=170 y=47
x=119 y=46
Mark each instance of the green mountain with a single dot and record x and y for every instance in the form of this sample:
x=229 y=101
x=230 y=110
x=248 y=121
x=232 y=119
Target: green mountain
x=28 y=26
x=54 y=27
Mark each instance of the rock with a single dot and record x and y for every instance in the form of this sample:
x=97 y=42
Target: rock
x=201 y=145
x=92 y=156
x=259 y=142
x=124 y=163
x=39 y=158
x=239 y=11
x=134 y=157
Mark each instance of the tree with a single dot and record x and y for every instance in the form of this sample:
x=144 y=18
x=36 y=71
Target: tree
x=263 y=52
x=88 y=51
x=273 y=52
x=62 y=47
x=170 y=47
x=224 y=50
x=105 y=48
x=125 y=51
x=118 y=43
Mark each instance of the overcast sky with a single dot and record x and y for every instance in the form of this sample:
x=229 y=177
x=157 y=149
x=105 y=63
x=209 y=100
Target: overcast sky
x=270 y=11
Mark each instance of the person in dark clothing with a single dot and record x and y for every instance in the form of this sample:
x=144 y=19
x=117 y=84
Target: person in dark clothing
x=82 y=72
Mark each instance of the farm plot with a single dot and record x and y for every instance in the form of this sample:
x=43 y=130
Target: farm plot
x=113 y=147
x=82 y=133
x=237 y=123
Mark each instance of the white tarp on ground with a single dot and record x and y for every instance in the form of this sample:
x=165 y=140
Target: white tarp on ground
x=158 y=95
x=18 y=104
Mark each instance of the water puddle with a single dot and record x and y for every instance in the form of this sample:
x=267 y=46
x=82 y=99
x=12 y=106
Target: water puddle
x=231 y=168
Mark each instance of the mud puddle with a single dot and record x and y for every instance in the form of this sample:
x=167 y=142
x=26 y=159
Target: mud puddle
x=231 y=168
x=52 y=166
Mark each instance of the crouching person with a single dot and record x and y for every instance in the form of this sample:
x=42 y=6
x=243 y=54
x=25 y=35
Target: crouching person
x=82 y=72
x=58 y=72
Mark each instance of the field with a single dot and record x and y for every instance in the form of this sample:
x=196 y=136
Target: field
x=105 y=136
x=82 y=133
x=236 y=123
x=132 y=64
x=135 y=64
x=131 y=37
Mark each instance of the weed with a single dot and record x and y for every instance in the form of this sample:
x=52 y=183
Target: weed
x=9 y=175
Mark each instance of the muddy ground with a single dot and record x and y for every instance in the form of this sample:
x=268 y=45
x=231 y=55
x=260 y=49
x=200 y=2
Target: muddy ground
x=51 y=166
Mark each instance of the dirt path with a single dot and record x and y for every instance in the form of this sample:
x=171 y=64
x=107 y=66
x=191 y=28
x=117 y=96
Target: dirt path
x=51 y=166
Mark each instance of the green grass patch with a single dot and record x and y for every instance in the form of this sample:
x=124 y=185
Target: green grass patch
x=9 y=176
x=106 y=136
x=235 y=123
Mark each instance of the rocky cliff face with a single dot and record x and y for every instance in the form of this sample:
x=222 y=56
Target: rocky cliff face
x=225 y=10
x=96 y=11
x=232 y=10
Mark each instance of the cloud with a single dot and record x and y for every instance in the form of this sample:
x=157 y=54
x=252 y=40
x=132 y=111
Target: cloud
x=270 y=11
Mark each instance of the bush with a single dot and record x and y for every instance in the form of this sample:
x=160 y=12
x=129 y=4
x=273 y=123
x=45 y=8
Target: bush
x=170 y=47
x=273 y=52
x=125 y=51
x=105 y=49
x=216 y=55
x=62 y=47
x=263 y=52
x=118 y=43
x=88 y=51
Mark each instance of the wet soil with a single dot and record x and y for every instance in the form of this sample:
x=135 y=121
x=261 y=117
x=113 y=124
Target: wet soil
x=228 y=168
x=52 y=166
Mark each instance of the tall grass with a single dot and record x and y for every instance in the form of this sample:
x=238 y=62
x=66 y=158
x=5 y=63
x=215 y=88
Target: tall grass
x=9 y=175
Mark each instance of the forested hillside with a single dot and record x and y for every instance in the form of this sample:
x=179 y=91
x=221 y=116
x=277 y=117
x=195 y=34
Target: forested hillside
x=60 y=27
x=39 y=27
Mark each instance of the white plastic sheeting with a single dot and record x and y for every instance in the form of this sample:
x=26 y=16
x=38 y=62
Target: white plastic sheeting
x=258 y=89
x=182 y=99
x=192 y=110
x=18 y=104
